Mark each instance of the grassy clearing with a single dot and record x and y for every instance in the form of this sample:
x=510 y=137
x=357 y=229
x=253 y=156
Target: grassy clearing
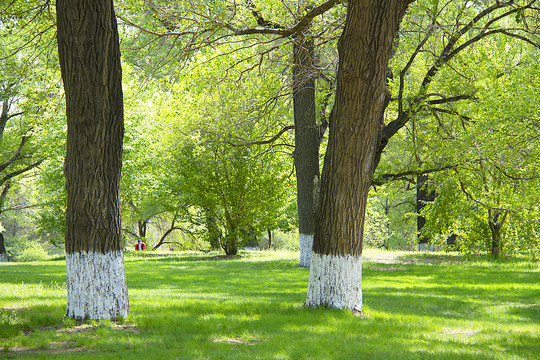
x=190 y=306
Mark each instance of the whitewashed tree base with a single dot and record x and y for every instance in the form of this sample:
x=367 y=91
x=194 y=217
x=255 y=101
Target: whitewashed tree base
x=3 y=258
x=306 y=249
x=336 y=282
x=96 y=286
x=425 y=247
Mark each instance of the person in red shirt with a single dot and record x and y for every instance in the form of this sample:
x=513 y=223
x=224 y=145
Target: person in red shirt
x=140 y=245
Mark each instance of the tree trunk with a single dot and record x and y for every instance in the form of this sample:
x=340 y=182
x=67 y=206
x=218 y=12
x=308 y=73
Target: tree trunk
x=3 y=253
x=229 y=245
x=90 y=63
x=214 y=234
x=269 y=239
x=364 y=49
x=142 y=226
x=306 y=142
x=495 y=240
x=496 y=221
x=422 y=196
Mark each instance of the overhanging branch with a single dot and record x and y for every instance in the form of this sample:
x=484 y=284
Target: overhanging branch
x=385 y=178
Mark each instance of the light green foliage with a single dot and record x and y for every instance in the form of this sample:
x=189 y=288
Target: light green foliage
x=488 y=135
x=208 y=165
x=30 y=251
x=390 y=222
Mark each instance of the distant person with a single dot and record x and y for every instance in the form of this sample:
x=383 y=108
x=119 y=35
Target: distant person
x=140 y=245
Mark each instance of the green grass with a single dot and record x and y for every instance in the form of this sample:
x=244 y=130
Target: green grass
x=189 y=306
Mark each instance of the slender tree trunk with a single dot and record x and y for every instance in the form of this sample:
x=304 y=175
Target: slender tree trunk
x=142 y=226
x=495 y=241
x=3 y=253
x=306 y=142
x=364 y=49
x=269 y=239
x=423 y=195
x=496 y=222
x=90 y=62
x=214 y=234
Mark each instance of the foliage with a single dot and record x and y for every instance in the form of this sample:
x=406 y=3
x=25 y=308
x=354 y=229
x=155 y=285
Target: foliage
x=197 y=89
x=211 y=169
x=467 y=120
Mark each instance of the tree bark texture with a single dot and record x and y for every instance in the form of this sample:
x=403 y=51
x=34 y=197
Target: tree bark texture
x=364 y=50
x=306 y=142
x=89 y=56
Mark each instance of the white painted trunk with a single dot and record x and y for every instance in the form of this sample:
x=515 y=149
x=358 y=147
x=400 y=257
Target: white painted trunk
x=425 y=247
x=336 y=282
x=96 y=286
x=3 y=257
x=306 y=249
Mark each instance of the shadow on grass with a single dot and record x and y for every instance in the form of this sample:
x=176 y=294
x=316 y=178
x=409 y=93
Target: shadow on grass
x=241 y=309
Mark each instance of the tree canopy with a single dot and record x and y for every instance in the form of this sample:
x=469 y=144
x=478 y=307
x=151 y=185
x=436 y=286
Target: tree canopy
x=209 y=157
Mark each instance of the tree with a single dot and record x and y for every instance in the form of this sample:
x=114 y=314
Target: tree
x=227 y=189
x=355 y=121
x=17 y=153
x=445 y=54
x=89 y=56
x=211 y=25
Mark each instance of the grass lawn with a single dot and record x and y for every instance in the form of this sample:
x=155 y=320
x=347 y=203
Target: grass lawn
x=194 y=306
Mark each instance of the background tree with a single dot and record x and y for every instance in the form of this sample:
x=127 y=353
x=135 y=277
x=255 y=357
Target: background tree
x=265 y=27
x=230 y=188
x=19 y=155
x=90 y=62
x=435 y=105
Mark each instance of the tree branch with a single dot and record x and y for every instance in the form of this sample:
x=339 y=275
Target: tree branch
x=15 y=156
x=385 y=178
x=264 y=142
x=19 y=172
x=488 y=207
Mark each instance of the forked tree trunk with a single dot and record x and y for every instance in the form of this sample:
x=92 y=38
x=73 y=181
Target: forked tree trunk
x=306 y=142
x=90 y=62
x=364 y=49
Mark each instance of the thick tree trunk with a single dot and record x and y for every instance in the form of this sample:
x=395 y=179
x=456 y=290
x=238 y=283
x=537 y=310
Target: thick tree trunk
x=364 y=50
x=90 y=62
x=306 y=142
x=423 y=195
x=3 y=253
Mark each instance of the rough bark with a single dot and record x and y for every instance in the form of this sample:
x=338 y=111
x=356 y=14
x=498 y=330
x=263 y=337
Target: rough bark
x=364 y=50
x=90 y=63
x=306 y=142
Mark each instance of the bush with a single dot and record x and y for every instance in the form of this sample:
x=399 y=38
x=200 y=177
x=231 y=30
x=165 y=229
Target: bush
x=33 y=251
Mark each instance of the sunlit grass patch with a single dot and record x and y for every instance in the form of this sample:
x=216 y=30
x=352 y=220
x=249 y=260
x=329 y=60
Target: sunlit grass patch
x=202 y=306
